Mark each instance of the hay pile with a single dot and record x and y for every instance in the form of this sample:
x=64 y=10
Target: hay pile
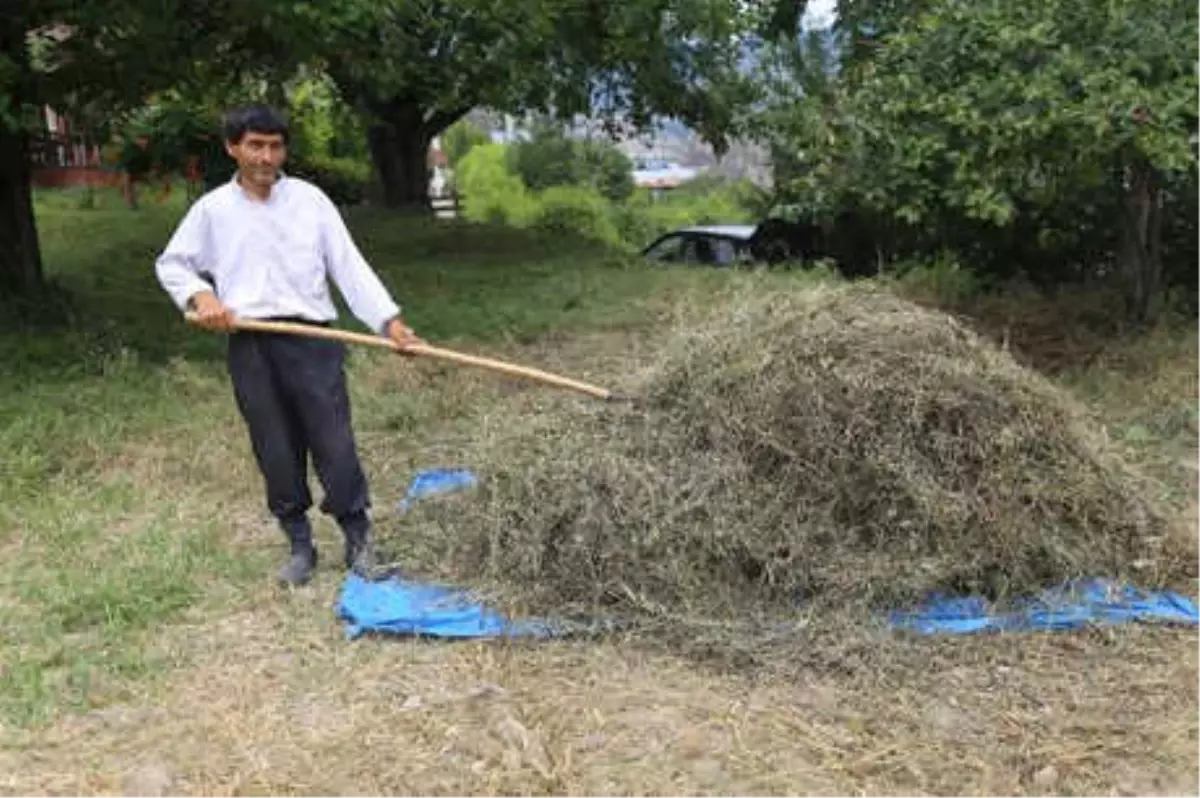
x=824 y=448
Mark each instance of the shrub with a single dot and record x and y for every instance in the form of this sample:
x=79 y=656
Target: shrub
x=490 y=192
x=574 y=210
x=550 y=159
x=547 y=160
x=944 y=280
x=460 y=138
x=607 y=170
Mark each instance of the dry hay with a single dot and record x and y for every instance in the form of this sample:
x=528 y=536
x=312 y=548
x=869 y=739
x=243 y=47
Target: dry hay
x=809 y=451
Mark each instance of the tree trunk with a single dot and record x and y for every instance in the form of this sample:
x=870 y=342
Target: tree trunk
x=1141 y=241
x=399 y=144
x=20 y=254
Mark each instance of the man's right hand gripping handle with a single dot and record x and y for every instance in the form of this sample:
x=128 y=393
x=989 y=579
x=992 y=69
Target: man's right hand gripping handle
x=210 y=312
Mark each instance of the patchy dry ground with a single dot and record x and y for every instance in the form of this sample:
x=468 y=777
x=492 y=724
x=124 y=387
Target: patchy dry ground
x=256 y=691
x=273 y=700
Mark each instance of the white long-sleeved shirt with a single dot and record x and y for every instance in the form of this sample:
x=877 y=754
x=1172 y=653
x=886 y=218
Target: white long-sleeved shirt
x=271 y=259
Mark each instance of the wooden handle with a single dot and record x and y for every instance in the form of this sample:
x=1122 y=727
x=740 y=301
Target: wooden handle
x=424 y=350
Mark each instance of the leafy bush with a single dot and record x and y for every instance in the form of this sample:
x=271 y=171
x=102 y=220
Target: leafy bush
x=550 y=159
x=323 y=124
x=608 y=170
x=943 y=279
x=547 y=160
x=605 y=209
x=345 y=180
x=741 y=193
x=576 y=210
x=460 y=138
x=490 y=192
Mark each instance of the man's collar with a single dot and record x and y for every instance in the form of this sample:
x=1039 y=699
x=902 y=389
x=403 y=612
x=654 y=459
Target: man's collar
x=236 y=182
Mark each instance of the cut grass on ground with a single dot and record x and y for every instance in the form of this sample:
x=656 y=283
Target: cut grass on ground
x=145 y=648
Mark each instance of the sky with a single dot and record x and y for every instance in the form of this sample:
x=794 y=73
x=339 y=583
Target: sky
x=820 y=13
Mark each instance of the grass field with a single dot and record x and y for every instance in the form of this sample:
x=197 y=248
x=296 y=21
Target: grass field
x=146 y=648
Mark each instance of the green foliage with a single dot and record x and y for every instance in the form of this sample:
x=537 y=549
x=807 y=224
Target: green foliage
x=95 y=60
x=427 y=64
x=345 y=180
x=576 y=210
x=493 y=193
x=490 y=192
x=325 y=148
x=1011 y=133
x=608 y=170
x=943 y=280
x=162 y=136
x=547 y=159
x=740 y=196
x=459 y=138
x=645 y=216
x=119 y=52
x=323 y=125
x=983 y=107
x=550 y=159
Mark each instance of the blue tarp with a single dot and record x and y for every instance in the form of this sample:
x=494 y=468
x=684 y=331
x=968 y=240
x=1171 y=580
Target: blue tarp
x=398 y=606
x=1067 y=607
x=436 y=480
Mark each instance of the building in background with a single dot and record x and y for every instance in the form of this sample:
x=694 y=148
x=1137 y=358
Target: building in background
x=64 y=154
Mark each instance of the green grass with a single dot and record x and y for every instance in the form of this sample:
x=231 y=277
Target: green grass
x=1144 y=389
x=126 y=466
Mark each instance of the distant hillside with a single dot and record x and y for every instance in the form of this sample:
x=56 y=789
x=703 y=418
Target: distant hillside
x=672 y=140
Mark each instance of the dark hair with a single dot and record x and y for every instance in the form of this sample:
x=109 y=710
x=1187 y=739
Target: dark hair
x=254 y=119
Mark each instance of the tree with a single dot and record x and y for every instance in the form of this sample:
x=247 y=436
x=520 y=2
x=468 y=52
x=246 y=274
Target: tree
x=413 y=68
x=93 y=59
x=866 y=25
x=20 y=255
x=550 y=159
x=609 y=171
x=547 y=159
x=1018 y=116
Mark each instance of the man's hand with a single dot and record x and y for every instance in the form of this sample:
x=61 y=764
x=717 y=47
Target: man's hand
x=402 y=335
x=211 y=313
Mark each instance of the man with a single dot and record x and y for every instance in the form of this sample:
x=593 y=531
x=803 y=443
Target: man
x=261 y=246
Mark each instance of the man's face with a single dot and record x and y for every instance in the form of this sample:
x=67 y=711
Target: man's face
x=258 y=156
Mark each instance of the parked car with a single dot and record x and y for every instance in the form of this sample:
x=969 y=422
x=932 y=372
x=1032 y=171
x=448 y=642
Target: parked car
x=772 y=242
x=716 y=245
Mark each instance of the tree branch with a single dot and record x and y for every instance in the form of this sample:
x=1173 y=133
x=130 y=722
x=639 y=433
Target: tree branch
x=437 y=121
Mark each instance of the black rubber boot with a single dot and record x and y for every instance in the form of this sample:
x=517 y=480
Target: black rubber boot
x=360 y=549
x=303 y=559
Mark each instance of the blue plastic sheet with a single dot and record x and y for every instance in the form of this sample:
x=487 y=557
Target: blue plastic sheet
x=436 y=480
x=398 y=606
x=1094 y=601
x=403 y=607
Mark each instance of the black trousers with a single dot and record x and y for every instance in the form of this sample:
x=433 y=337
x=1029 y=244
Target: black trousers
x=291 y=391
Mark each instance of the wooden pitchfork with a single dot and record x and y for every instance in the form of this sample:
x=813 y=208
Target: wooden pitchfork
x=422 y=350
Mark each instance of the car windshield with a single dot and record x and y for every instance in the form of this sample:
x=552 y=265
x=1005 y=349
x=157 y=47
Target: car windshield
x=695 y=248
x=669 y=249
